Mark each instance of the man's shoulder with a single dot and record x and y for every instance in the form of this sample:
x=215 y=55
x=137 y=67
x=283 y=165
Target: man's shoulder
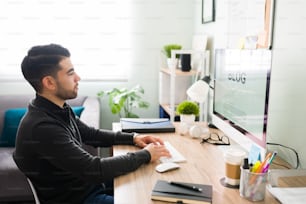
x=37 y=122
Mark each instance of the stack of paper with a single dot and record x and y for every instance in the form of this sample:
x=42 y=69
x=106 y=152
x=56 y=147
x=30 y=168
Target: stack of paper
x=146 y=125
x=291 y=195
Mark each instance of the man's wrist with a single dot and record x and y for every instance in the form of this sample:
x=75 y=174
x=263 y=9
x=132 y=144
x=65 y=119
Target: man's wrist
x=134 y=137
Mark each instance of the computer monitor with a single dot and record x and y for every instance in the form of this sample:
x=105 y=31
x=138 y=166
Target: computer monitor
x=241 y=95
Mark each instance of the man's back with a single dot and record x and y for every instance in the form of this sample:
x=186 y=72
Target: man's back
x=41 y=140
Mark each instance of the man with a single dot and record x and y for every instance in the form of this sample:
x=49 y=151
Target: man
x=49 y=138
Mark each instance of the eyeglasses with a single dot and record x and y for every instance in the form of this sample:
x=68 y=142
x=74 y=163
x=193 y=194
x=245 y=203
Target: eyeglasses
x=216 y=139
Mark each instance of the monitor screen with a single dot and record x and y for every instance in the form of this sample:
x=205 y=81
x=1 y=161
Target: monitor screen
x=241 y=94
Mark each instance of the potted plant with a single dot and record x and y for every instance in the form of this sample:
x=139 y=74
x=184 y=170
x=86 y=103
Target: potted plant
x=188 y=110
x=167 y=51
x=123 y=101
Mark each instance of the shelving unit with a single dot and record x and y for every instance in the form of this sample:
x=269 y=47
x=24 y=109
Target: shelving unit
x=173 y=83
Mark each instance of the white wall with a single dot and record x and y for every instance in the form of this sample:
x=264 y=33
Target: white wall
x=287 y=111
x=154 y=24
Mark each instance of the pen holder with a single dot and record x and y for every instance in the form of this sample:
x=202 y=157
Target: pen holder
x=253 y=185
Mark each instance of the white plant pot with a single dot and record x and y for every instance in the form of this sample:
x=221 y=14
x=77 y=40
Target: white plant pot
x=172 y=63
x=188 y=119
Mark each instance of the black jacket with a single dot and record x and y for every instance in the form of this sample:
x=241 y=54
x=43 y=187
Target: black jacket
x=49 y=152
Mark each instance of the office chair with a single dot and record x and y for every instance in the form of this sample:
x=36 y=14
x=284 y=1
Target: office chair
x=33 y=191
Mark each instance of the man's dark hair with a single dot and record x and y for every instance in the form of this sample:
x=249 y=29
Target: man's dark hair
x=41 y=61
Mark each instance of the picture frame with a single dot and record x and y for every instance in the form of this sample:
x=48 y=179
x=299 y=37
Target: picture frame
x=208 y=11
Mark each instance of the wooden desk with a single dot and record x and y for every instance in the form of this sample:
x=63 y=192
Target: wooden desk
x=292 y=181
x=204 y=164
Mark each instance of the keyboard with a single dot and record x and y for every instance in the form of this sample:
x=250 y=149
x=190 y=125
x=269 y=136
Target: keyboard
x=176 y=156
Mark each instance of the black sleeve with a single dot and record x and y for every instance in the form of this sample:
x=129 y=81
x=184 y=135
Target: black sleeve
x=59 y=148
x=102 y=137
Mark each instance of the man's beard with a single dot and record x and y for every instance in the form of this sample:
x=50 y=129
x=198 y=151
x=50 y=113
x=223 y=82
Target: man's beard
x=64 y=94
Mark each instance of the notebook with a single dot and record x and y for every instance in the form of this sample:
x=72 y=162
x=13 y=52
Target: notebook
x=146 y=125
x=165 y=191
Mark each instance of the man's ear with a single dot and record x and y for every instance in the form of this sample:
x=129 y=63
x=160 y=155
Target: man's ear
x=49 y=83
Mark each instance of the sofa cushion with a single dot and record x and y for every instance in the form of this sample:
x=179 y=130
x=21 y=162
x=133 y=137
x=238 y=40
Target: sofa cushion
x=12 y=101
x=78 y=110
x=12 y=119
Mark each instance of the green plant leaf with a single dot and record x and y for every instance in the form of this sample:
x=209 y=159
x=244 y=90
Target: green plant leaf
x=167 y=49
x=122 y=101
x=131 y=115
x=188 y=107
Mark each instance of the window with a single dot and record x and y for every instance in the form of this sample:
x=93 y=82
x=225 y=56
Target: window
x=96 y=33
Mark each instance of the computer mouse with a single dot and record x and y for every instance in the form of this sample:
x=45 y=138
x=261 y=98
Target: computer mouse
x=167 y=166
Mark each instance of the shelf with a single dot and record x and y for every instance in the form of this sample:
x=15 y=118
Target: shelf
x=167 y=109
x=173 y=83
x=179 y=72
x=164 y=111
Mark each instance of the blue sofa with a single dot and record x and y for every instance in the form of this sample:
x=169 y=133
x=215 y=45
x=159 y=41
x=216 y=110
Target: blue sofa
x=13 y=184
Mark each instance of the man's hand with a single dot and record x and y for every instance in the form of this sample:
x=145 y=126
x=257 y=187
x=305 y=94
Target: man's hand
x=157 y=151
x=154 y=145
x=143 y=140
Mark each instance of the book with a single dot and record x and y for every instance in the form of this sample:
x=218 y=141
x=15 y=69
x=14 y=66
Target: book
x=165 y=191
x=146 y=125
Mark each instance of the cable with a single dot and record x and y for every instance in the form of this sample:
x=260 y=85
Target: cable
x=296 y=154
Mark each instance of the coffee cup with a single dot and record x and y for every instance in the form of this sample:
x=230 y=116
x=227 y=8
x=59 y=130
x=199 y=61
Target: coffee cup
x=233 y=159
